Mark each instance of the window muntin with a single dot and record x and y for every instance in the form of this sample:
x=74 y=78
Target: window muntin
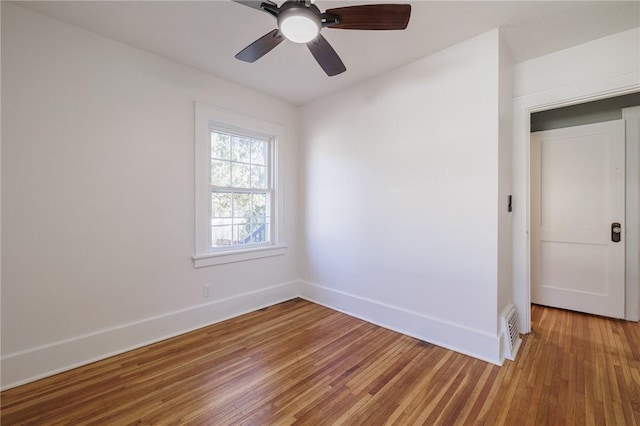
x=241 y=189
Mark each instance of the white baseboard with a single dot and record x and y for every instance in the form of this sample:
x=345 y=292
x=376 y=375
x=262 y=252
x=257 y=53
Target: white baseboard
x=36 y=363
x=468 y=341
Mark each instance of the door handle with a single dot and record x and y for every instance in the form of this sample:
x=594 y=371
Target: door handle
x=615 y=232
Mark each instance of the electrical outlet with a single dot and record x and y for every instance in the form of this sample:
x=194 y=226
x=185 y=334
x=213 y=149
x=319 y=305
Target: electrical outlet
x=206 y=290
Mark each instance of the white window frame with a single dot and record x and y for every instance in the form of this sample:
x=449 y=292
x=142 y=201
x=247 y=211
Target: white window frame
x=208 y=117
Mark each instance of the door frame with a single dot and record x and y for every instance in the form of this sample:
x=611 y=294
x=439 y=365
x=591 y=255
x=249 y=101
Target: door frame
x=523 y=107
x=631 y=116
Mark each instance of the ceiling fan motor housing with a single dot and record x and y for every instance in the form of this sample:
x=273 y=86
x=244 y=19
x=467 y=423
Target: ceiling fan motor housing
x=298 y=22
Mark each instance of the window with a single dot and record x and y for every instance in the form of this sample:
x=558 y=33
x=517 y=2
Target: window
x=238 y=201
x=241 y=190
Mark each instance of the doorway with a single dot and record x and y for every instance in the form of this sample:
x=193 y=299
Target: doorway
x=585 y=272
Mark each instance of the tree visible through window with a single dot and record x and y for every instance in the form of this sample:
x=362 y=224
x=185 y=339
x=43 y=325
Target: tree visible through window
x=241 y=190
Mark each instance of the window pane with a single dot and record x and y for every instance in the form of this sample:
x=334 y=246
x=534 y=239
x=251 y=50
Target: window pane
x=240 y=175
x=258 y=177
x=221 y=205
x=240 y=149
x=267 y=231
x=220 y=173
x=258 y=232
x=259 y=152
x=259 y=207
x=241 y=232
x=221 y=235
x=220 y=146
x=241 y=205
x=221 y=222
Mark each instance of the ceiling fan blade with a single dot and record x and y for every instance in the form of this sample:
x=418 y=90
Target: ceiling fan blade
x=372 y=17
x=326 y=56
x=261 y=46
x=256 y=4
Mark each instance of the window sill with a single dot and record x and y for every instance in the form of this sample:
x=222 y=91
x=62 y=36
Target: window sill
x=212 y=259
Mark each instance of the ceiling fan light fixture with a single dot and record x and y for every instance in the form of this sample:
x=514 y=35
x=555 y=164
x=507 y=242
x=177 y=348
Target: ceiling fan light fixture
x=300 y=25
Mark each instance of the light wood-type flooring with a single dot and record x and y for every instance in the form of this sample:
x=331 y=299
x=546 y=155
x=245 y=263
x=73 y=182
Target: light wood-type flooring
x=301 y=363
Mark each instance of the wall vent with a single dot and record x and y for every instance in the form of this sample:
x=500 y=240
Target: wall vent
x=511 y=332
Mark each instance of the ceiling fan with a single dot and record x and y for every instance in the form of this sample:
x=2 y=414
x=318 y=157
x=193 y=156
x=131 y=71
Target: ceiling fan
x=301 y=21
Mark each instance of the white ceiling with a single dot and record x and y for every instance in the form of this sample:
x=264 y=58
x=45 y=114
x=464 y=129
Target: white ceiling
x=207 y=34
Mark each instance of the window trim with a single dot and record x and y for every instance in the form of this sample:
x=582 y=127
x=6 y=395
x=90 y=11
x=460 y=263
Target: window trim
x=235 y=123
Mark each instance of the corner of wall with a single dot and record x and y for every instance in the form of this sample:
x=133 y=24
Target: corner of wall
x=468 y=341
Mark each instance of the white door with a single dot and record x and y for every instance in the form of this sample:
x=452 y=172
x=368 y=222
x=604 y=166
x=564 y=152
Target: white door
x=577 y=197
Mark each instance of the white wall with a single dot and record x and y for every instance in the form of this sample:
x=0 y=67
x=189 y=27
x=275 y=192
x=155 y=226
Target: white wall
x=579 y=65
x=402 y=197
x=98 y=198
x=602 y=68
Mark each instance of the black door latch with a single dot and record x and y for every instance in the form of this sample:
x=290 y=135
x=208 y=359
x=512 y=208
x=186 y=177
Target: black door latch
x=615 y=232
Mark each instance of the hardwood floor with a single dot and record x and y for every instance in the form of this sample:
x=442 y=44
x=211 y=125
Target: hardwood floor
x=300 y=363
